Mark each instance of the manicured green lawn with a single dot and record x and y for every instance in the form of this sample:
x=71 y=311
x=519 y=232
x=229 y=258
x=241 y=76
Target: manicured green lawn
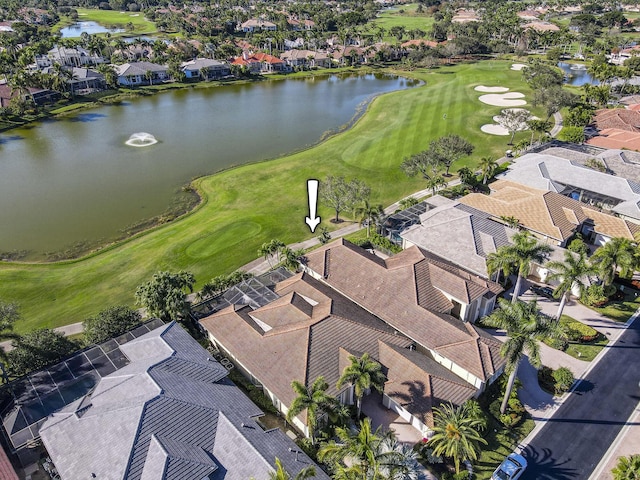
x=408 y=19
x=115 y=18
x=247 y=206
x=584 y=351
x=619 y=311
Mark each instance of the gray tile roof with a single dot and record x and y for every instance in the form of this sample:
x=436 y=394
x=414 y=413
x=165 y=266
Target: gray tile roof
x=158 y=418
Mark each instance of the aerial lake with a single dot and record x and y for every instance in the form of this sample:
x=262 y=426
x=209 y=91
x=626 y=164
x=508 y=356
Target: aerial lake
x=78 y=28
x=74 y=179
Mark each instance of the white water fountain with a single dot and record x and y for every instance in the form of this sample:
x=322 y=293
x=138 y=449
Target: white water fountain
x=141 y=139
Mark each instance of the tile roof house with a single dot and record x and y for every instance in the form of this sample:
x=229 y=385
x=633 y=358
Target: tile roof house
x=551 y=217
x=311 y=330
x=618 y=118
x=171 y=413
x=304 y=58
x=574 y=179
x=260 y=62
x=210 y=67
x=460 y=234
x=422 y=296
x=257 y=24
x=70 y=57
x=616 y=138
x=135 y=73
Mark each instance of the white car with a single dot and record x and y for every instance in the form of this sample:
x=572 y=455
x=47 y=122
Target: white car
x=511 y=468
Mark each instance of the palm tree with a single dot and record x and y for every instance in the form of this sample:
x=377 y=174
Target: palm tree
x=456 y=434
x=524 y=325
x=369 y=213
x=572 y=273
x=488 y=166
x=314 y=399
x=281 y=474
x=366 y=451
x=363 y=373
x=524 y=250
x=616 y=253
x=627 y=468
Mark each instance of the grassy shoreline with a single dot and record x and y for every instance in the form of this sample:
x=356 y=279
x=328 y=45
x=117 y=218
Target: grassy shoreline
x=245 y=206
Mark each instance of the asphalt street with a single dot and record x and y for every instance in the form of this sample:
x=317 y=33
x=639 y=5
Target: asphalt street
x=576 y=437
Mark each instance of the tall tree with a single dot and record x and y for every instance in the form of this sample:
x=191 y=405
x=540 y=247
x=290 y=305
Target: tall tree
x=513 y=120
x=617 y=253
x=337 y=193
x=457 y=433
x=427 y=164
x=450 y=148
x=110 y=322
x=281 y=474
x=9 y=314
x=488 y=167
x=369 y=214
x=524 y=325
x=523 y=250
x=363 y=373
x=164 y=295
x=359 y=453
x=38 y=349
x=573 y=272
x=314 y=399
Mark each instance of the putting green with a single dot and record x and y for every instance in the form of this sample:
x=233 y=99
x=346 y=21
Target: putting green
x=247 y=206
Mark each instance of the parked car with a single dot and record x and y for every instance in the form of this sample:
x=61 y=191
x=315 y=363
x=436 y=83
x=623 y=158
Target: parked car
x=511 y=468
x=542 y=291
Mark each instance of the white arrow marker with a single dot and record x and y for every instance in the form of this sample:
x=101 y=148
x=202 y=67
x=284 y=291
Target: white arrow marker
x=312 y=191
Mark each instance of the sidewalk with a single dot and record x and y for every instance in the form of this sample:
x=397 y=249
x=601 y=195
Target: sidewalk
x=539 y=403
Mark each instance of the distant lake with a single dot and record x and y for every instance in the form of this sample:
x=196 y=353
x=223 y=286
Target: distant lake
x=576 y=74
x=73 y=178
x=89 y=27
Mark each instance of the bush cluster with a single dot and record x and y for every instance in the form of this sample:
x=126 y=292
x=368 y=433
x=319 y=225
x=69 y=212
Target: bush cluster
x=594 y=296
x=579 y=332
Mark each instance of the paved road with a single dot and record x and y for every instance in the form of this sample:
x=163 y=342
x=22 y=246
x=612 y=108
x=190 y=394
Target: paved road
x=557 y=125
x=573 y=441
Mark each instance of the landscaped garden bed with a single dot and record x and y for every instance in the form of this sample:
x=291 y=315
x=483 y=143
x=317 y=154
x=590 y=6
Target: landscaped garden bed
x=582 y=342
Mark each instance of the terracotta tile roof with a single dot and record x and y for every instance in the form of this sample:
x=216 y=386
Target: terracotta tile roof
x=616 y=138
x=309 y=346
x=395 y=291
x=257 y=58
x=6 y=469
x=619 y=118
x=418 y=383
x=547 y=213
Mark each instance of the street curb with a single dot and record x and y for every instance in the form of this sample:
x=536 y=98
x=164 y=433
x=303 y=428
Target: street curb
x=614 y=446
x=542 y=422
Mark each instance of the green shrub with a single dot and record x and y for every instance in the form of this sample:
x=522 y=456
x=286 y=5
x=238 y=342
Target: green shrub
x=609 y=290
x=564 y=379
x=384 y=242
x=579 y=332
x=594 y=296
x=515 y=406
x=557 y=343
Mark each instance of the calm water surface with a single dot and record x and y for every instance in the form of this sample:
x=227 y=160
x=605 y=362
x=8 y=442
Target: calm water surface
x=77 y=29
x=73 y=179
x=577 y=74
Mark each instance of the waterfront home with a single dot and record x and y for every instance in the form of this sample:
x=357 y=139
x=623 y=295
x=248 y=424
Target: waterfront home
x=171 y=413
x=260 y=62
x=68 y=57
x=310 y=331
x=141 y=73
x=205 y=69
x=305 y=58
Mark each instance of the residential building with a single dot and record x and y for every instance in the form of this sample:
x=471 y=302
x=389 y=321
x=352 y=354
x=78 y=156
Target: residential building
x=141 y=73
x=84 y=81
x=68 y=57
x=212 y=69
x=305 y=58
x=260 y=62
x=257 y=25
x=170 y=414
x=312 y=327
x=551 y=217
x=604 y=179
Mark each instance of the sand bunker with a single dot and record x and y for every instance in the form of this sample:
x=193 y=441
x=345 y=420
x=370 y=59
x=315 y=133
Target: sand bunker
x=503 y=99
x=518 y=66
x=482 y=88
x=494 y=129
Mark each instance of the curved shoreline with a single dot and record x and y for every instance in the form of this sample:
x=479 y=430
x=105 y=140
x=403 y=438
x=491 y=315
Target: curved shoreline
x=154 y=222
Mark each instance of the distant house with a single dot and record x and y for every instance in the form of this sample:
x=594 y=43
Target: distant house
x=541 y=26
x=68 y=57
x=170 y=414
x=211 y=68
x=550 y=216
x=299 y=25
x=260 y=62
x=618 y=193
x=257 y=25
x=311 y=326
x=305 y=58
x=39 y=96
x=84 y=81
x=137 y=73
x=465 y=16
